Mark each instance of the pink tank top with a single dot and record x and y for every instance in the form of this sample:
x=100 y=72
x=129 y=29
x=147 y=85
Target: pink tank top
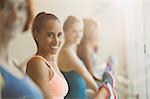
x=58 y=84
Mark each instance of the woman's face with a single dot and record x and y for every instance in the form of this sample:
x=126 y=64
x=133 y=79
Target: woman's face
x=75 y=33
x=13 y=15
x=92 y=34
x=51 y=37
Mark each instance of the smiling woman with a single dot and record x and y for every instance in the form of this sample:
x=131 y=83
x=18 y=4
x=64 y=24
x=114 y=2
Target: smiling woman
x=42 y=68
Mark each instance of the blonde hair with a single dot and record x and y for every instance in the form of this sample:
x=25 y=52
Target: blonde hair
x=70 y=21
x=88 y=32
x=88 y=23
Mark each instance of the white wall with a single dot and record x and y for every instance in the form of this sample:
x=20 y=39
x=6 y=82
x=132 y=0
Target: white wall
x=147 y=43
x=134 y=18
x=22 y=47
x=113 y=33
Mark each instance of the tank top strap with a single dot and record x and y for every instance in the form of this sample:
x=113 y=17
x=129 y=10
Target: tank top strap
x=48 y=64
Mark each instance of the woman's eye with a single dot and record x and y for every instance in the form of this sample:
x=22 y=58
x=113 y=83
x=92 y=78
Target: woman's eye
x=60 y=35
x=22 y=7
x=50 y=35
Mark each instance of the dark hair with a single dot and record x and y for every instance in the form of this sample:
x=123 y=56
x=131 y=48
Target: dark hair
x=39 y=22
x=2 y=3
x=29 y=15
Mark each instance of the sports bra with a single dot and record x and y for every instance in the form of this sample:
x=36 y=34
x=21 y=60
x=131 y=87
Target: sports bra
x=58 y=84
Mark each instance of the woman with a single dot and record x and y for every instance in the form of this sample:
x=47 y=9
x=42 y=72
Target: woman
x=89 y=57
x=90 y=45
x=15 y=17
x=72 y=67
x=42 y=68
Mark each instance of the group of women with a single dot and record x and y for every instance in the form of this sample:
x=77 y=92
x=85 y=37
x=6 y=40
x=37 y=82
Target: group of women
x=48 y=76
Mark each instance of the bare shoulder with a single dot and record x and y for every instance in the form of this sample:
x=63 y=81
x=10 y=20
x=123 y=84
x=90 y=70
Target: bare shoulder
x=71 y=58
x=82 y=49
x=64 y=51
x=36 y=63
x=39 y=72
x=67 y=54
x=37 y=66
x=64 y=59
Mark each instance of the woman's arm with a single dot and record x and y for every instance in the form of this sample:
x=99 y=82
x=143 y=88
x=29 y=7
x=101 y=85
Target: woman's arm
x=74 y=61
x=101 y=94
x=85 y=56
x=39 y=72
